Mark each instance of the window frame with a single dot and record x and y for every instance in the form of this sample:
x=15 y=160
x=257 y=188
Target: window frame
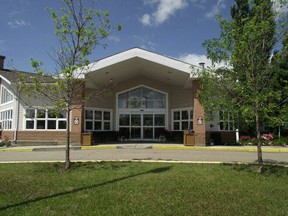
x=227 y=120
x=7 y=120
x=5 y=91
x=93 y=120
x=181 y=120
x=44 y=119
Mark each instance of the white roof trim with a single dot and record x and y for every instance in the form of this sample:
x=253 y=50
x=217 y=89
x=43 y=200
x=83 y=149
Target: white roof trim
x=5 y=79
x=137 y=52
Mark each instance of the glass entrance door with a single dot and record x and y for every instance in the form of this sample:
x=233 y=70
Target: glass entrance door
x=136 y=126
x=142 y=126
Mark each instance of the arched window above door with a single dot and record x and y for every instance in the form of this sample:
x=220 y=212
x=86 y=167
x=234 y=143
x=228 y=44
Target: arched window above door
x=142 y=97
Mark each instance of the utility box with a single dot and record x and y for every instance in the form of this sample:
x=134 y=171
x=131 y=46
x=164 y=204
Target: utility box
x=189 y=138
x=87 y=139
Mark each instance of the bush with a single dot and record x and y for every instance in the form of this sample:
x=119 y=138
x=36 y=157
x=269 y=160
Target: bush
x=282 y=141
x=6 y=142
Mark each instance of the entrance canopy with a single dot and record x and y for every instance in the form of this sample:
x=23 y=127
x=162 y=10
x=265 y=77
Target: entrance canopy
x=137 y=62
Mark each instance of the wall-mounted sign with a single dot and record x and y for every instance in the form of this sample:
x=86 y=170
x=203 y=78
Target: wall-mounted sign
x=76 y=120
x=200 y=120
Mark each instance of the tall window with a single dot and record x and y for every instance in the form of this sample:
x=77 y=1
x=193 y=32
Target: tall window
x=182 y=119
x=44 y=119
x=6 y=119
x=226 y=121
x=6 y=96
x=98 y=120
x=142 y=97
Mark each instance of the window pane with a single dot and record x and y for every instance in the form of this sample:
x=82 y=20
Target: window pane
x=52 y=114
x=40 y=124
x=148 y=93
x=97 y=125
x=124 y=120
x=63 y=114
x=148 y=120
x=106 y=115
x=184 y=115
x=98 y=115
x=41 y=113
x=136 y=120
x=176 y=126
x=185 y=125
x=88 y=114
x=177 y=115
x=30 y=113
x=159 y=120
x=29 y=124
x=106 y=125
x=191 y=114
x=89 y=125
x=61 y=124
x=52 y=124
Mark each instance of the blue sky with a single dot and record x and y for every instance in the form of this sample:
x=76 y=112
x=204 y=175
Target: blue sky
x=175 y=28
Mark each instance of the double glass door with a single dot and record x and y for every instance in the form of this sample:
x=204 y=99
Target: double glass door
x=142 y=126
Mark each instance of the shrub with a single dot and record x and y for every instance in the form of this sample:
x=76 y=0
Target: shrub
x=6 y=142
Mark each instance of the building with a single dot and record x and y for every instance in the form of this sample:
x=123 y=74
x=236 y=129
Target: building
x=154 y=99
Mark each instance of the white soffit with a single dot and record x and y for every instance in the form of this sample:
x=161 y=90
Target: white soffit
x=140 y=53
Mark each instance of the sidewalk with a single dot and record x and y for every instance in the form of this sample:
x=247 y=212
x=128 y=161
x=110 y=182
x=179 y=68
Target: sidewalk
x=144 y=146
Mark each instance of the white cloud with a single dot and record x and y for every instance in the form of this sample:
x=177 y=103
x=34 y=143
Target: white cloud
x=18 y=23
x=146 y=20
x=195 y=59
x=165 y=9
x=216 y=9
x=114 y=38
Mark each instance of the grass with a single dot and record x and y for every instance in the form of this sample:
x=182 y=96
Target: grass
x=142 y=189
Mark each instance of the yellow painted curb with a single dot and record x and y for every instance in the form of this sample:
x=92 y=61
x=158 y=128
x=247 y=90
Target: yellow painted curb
x=17 y=150
x=242 y=149
x=98 y=147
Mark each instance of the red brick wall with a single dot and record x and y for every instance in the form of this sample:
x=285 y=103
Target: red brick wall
x=198 y=112
x=48 y=136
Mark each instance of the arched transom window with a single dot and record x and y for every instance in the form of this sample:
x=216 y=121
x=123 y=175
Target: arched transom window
x=142 y=97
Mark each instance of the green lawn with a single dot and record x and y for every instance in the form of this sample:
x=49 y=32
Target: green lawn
x=142 y=189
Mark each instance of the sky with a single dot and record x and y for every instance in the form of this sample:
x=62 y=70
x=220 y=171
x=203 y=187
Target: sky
x=174 y=28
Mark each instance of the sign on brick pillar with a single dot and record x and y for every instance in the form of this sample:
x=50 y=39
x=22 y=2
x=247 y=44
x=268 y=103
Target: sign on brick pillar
x=198 y=117
x=76 y=124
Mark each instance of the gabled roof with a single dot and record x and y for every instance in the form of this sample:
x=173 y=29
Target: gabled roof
x=137 y=62
x=143 y=54
x=12 y=76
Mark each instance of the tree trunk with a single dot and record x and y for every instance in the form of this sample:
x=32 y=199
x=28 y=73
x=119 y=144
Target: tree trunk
x=259 y=148
x=67 y=152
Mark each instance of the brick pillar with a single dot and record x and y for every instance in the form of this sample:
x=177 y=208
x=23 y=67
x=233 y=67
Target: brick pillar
x=77 y=122
x=198 y=117
x=77 y=113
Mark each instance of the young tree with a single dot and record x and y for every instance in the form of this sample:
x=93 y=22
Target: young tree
x=80 y=28
x=245 y=86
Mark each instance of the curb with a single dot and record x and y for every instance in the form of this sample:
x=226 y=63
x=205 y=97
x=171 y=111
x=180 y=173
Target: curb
x=17 y=150
x=155 y=147
x=241 y=149
x=98 y=147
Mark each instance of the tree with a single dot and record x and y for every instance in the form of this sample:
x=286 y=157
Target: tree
x=245 y=86
x=280 y=68
x=80 y=29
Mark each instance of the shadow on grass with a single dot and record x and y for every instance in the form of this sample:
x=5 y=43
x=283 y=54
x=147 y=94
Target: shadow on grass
x=154 y=171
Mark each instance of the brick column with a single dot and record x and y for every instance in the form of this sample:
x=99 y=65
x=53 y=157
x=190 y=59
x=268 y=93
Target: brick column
x=198 y=117
x=77 y=122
